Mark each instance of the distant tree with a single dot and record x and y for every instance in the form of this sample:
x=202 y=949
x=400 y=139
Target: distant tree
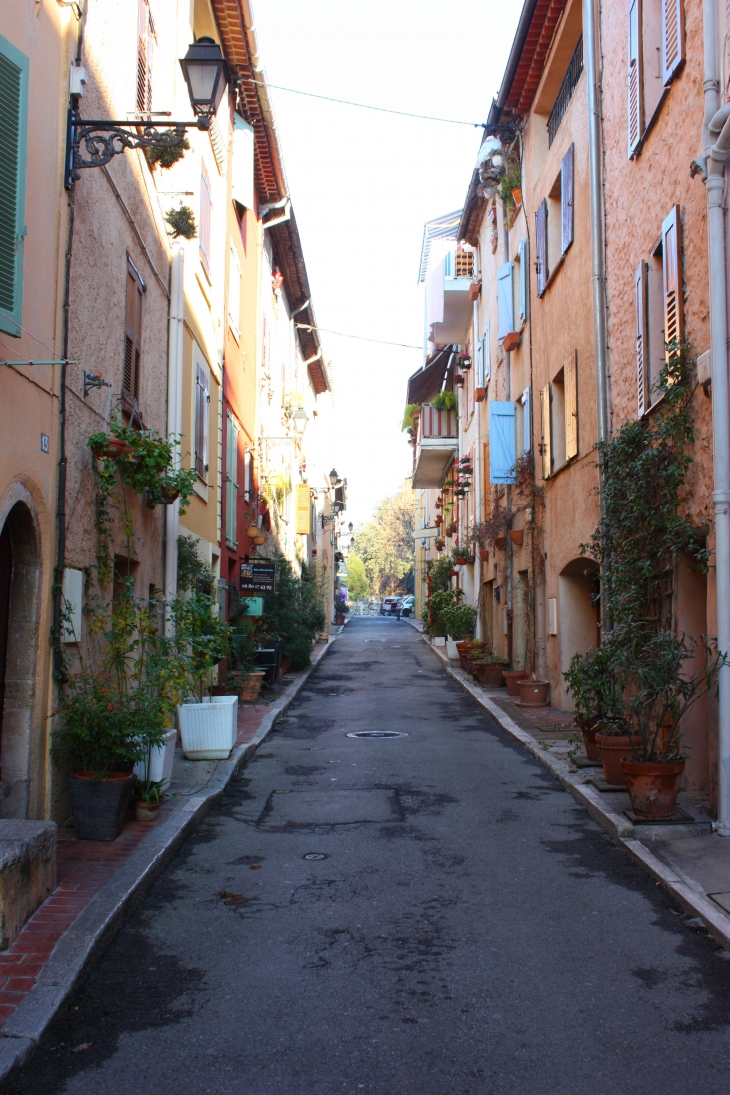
x=386 y=544
x=358 y=585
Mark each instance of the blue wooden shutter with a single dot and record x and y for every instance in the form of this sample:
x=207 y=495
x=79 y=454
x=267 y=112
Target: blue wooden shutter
x=566 y=200
x=524 y=279
x=505 y=309
x=501 y=442
x=480 y=364
x=13 y=126
x=635 y=77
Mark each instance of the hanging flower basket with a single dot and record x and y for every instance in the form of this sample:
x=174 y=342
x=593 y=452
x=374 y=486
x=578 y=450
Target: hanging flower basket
x=115 y=448
x=459 y=380
x=500 y=542
x=517 y=536
x=168 y=495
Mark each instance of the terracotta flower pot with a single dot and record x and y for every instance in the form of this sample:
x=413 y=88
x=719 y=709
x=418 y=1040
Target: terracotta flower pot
x=500 y=542
x=517 y=195
x=517 y=535
x=462 y=560
x=612 y=749
x=250 y=691
x=512 y=677
x=145 y=811
x=652 y=788
x=115 y=448
x=474 y=290
x=484 y=555
x=589 y=729
x=461 y=649
x=489 y=674
x=285 y=664
x=168 y=495
x=534 y=693
x=339 y=620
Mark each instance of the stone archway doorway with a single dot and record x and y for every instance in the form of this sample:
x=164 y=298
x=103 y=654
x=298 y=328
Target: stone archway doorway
x=19 y=604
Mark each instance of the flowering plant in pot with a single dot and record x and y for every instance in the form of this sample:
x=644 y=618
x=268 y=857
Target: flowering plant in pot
x=667 y=674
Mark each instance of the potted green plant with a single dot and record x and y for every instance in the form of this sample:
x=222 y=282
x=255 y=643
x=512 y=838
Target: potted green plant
x=663 y=687
x=597 y=683
x=114 y=706
x=148 y=795
x=342 y=610
x=487 y=668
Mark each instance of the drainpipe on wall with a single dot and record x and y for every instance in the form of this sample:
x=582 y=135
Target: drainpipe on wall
x=711 y=168
x=597 y=242
x=174 y=416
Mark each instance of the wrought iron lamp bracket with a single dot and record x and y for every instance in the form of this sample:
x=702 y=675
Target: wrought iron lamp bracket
x=94 y=380
x=95 y=143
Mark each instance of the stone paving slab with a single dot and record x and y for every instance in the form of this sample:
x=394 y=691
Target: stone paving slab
x=101 y=883
x=691 y=861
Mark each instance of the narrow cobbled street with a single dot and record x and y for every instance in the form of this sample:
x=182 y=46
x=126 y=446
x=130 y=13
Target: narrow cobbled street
x=427 y=914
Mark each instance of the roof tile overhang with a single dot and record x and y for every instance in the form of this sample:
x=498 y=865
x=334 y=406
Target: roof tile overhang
x=289 y=257
x=236 y=39
x=530 y=48
x=235 y=24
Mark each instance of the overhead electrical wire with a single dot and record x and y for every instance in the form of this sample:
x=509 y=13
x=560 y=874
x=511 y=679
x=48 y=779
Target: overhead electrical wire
x=362 y=338
x=364 y=106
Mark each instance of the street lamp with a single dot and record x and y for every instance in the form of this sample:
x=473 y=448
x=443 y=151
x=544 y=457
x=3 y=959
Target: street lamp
x=206 y=74
x=95 y=143
x=350 y=528
x=300 y=419
x=334 y=477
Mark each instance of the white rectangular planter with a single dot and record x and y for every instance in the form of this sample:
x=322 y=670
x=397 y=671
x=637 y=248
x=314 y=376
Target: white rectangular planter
x=438 y=640
x=208 y=729
x=161 y=760
x=451 y=652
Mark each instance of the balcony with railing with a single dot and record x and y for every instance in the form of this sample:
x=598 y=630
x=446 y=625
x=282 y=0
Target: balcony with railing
x=437 y=442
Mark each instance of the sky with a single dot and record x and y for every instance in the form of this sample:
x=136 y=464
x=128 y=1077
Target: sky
x=363 y=183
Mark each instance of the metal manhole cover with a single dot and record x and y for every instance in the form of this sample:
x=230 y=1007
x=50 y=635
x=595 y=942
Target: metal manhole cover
x=315 y=855
x=378 y=734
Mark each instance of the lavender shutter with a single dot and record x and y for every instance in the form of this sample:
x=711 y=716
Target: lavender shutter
x=672 y=38
x=566 y=199
x=541 y=247
x=635 y=78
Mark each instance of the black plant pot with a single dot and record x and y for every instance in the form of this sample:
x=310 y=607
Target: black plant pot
x=100 y=806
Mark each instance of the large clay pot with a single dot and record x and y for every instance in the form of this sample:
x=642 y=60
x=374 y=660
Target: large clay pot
x=534 y=693
x=461 y=649
x=589 y=729
x=612 y=749
x=489 y=674
x=512 y=677
x=652 y=788
x=251 y=689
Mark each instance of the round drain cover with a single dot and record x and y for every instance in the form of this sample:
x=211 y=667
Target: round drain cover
x=377 y=734
x=315 y=855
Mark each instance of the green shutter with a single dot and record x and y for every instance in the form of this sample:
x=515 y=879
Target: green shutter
x=13 y=123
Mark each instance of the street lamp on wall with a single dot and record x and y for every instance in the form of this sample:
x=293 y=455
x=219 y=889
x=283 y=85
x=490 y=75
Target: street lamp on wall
x=206 y=75
x=300 y=419
x=95 y=143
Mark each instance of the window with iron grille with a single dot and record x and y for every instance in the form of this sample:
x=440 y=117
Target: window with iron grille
x=568 y=86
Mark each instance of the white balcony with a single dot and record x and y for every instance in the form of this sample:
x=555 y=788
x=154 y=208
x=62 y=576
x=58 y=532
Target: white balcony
x=458 y=313
x=437 y=443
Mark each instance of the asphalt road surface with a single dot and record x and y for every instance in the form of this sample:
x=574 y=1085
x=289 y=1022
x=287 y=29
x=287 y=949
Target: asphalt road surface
x=428 y=914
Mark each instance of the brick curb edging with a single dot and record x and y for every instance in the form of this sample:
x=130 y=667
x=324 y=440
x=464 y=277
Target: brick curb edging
x=686 y=891
x=94 y=928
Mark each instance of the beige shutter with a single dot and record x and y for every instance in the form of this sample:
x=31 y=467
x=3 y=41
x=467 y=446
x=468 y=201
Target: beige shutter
x=570 y=382
x=132 y=335
x=546 y=446
x=672 y=37
x=672 y=277
x=303 y=510
x=635 y=77
x=641 y=338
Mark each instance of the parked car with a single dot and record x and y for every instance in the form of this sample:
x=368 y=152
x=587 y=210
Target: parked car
x=388 y=606
x=406 y=607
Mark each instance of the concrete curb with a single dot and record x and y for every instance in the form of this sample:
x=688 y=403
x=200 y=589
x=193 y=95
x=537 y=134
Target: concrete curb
x=686 y=891
x=93 y=929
